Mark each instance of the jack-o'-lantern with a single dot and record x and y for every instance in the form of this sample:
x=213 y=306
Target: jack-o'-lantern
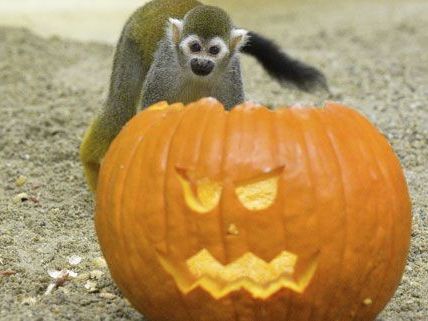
x=296 y=214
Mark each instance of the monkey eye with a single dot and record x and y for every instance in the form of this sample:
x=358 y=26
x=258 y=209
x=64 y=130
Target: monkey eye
x=214 y=50
x=195 y=47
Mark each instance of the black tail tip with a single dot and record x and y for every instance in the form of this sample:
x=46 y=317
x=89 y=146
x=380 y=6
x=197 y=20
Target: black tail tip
x=310 y=79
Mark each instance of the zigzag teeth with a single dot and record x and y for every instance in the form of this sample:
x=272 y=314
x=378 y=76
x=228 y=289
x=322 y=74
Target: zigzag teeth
x=248 y=266
x=249 y=272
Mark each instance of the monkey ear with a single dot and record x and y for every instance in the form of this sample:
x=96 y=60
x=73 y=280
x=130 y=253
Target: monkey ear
x=174 y=30
x=238 y=38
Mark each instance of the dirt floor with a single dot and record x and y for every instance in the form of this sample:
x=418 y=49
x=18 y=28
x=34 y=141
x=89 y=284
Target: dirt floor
x=374 y=54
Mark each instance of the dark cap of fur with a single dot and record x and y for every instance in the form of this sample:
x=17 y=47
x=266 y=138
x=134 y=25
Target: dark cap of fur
x=207 y=22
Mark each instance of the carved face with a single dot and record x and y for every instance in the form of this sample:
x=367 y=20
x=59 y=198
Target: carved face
x=204 y=214
x=250 y=197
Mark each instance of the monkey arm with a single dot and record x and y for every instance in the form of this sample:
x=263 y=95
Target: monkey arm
x=163 y=77
x=230 y=90
x=124 y=96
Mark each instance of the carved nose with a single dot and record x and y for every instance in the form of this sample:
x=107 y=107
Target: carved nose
x=201 y=67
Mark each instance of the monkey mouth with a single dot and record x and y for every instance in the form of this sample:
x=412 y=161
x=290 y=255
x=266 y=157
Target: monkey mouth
x=201 y=72
x=249 y=272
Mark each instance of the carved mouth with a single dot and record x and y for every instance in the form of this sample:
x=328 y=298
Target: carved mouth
x=249 y=272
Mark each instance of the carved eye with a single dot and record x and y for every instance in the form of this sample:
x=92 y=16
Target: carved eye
x=214 y=50
x=259 y=193
x=201 y=195
x=195 y=47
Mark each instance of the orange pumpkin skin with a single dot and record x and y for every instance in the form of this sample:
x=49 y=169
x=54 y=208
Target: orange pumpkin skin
x=179 y=183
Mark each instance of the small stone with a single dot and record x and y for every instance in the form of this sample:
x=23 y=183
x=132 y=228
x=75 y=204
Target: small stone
x=368 y=301
x=21 y=180
x=107 y=295
x=232 y=230
x=74 y=260
x=54 y=274
x=91 y=286
x=21 y=197
x=29 y=301
x=83 y=276
x=100 y=262
x=96 y=274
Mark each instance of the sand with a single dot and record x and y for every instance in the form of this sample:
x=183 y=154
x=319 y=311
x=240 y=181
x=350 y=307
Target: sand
x=374 y=54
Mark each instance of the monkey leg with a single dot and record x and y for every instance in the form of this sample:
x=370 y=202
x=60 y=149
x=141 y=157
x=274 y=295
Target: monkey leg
x=92 y=150
x=124 y=95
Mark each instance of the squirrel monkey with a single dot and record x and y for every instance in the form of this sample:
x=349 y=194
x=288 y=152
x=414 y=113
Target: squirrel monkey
x=181 y=51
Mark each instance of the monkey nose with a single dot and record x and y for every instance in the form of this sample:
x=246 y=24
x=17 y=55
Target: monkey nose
x=201 y=67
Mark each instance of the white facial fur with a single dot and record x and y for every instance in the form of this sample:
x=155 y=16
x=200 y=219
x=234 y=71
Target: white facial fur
x=205 y=47
x=185 y=44
x=224 y=50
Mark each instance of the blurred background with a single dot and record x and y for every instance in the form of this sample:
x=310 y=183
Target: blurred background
x=101 y=20
x=78 y=19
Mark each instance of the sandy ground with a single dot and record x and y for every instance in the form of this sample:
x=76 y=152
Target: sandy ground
x=374 y=54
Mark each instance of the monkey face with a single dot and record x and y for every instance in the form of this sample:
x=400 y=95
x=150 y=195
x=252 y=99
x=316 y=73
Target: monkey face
x=203 y=58
x=202 y=53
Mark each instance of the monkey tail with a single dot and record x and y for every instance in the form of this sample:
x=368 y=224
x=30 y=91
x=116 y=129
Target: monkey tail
x=281 y=66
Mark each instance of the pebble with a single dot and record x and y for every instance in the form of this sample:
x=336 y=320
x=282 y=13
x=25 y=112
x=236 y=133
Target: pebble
x=100 y=262
x=108 y=295
x=29 y=301
x=91 y=286
x=21 y=197
x=20 y=181
x=74 y=260
x=83 y=276
x=96 y=274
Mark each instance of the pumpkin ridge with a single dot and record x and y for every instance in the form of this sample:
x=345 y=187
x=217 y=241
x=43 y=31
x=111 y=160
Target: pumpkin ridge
x=131 y=155
x=277 y=120
x=351 y=124
x=321 y=115
x=296 y=118
x=221 y=220
x=347 y=122
x=120 y=197
x=181 y=115
x=115 y=174
x=115 y=153
x=123 y=218
x=373 y=160
x=226 y=141
x=274 y=135
x=167 y=162
x=292 y=119
x=212 y=117
x=373 y=135
x=257 y=121
x=369 y=133
x=202 y=123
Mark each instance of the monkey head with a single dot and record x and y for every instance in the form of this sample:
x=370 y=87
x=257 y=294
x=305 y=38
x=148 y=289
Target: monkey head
x=205 y=41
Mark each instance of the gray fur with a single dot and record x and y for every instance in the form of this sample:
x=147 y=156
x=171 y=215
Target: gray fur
x=126 y=83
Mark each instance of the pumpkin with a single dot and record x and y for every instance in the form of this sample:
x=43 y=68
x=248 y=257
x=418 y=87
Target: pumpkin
x=296 y=214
